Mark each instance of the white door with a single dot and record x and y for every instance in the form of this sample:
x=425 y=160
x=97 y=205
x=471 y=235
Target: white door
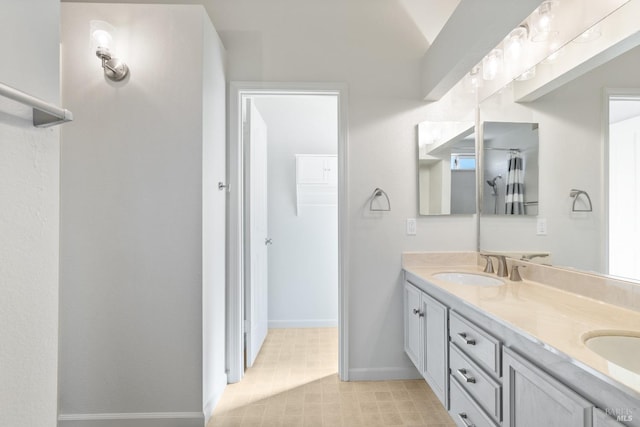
x=256 y=273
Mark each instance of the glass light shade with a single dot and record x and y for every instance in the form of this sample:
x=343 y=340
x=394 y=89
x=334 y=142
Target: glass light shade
x=555 y=51
x=492 y=64
x=474 y=79
x=514 y=43
x=589 y=35
x=527 y=75
x=101 y=34
x=542 y=22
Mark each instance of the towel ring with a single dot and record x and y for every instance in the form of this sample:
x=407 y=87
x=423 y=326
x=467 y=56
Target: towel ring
x=575 y=194
x=377 y=193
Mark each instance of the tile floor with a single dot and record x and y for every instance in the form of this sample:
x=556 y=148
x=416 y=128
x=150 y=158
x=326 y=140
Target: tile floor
x=294 y=383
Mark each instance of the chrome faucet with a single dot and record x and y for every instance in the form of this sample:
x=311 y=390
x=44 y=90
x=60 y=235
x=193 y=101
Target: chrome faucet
x=488 y=268
x=529 y=257
x=515 y=273
x=502 y=265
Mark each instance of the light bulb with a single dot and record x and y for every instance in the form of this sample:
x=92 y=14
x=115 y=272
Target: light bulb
x=102 y=38
x=514 y=43
x=492 y=64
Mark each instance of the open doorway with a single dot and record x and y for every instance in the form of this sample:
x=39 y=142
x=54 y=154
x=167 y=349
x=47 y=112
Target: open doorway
x=623 y=214
x=287 y=235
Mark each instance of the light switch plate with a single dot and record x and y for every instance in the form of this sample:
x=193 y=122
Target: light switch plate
x=541 y=227
x=411 y=227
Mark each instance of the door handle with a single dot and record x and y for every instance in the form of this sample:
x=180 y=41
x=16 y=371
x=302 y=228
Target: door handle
x=268 y=241
x=466 y=340
x=463 y=373
x=465 y=420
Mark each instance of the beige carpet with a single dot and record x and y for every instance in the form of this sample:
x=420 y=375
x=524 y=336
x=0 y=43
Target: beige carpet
x=294 y=383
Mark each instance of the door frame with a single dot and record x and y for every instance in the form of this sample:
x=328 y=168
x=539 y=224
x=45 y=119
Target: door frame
x=609 y=93
x=235 y=233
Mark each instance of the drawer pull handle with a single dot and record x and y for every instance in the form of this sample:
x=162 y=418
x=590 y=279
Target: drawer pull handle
x=466 y=340
x=463 y=373
x=465 y=420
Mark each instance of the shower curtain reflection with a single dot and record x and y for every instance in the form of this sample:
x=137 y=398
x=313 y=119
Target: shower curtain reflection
x=514 y=197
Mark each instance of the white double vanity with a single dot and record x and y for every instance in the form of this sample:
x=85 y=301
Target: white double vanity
x=515 y=353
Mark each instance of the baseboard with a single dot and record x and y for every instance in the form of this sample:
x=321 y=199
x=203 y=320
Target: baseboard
x=135 y=419
x=213 y=401
x=383 y=374
x=313 y=323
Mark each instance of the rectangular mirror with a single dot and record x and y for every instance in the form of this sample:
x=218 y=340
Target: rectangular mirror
x=510 y=168
x=574 y=151
x=446 y=168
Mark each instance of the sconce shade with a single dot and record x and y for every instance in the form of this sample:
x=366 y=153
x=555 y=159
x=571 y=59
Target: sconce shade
x=542 y=22
x=492 y=64
x=101 y=34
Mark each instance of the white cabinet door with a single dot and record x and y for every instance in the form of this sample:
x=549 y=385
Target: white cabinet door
x=532 y=398
x=311 y=169
x=436 y=348
x=413 y=325
x=602 y=419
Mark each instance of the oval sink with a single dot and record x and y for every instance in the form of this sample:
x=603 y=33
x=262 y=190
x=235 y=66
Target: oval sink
x=471 y=279
x=617 y=348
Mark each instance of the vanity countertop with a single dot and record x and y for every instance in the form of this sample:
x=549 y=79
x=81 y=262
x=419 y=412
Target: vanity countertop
x=556 y=318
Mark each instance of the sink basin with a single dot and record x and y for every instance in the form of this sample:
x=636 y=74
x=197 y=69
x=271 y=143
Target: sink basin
x=621 y=349
x=471 y=279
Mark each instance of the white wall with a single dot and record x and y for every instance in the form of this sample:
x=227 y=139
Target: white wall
x=29 y=213
x=303 y=260
x=571 y=149
x=136 y=283
x=375 y=48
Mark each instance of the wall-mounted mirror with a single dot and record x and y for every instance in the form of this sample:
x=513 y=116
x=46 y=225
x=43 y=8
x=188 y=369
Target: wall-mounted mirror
x=574 y=148
x=446 y=168
x=510 y=168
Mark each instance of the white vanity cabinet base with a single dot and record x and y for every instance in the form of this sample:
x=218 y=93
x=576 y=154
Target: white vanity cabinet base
x=464 y=411
x=413 y=325
x=426 y=338
x=532 y=398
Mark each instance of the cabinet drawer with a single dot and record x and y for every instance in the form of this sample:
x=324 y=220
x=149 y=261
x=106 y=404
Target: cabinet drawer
x=464 y=411
x=476 y=343
x=485 y=390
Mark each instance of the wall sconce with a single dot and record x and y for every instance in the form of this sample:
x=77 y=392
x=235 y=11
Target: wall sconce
x=101 y=42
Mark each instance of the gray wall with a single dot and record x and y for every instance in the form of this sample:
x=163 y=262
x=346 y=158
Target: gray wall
x=303 y=260
x=134 y=189
x=376 y=49
x=29 y=206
